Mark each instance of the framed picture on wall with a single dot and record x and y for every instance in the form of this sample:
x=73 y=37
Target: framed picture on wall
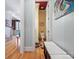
x=63 y=7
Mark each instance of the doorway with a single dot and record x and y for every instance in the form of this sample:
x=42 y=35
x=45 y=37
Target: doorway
x=41 y=22
x=42 y=27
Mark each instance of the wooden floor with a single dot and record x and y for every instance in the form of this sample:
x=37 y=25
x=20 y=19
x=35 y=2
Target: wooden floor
x=37 y=54
x=13 y=53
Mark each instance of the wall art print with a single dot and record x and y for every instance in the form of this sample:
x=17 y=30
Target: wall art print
x=63 y=7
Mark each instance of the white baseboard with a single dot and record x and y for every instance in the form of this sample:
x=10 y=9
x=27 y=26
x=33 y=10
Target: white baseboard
x=29 y=48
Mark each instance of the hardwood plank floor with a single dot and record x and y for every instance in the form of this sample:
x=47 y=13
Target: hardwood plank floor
x=10 y=46
x=37 y=54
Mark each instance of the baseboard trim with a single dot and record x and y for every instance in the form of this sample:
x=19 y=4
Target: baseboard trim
x=29 y=48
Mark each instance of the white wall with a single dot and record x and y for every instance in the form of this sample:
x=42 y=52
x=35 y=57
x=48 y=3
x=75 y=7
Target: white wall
x=29 y=18
x=49 y=17
x=22 y=26
x=69 y=34
x=36 y=22
x=8 y=30
x=49 y=8
x=63 y=33
x=8 y=33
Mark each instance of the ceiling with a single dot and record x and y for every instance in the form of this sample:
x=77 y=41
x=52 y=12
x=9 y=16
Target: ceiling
x=12 y=8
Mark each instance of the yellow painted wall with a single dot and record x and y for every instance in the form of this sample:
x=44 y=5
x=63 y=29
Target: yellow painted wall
x=42 y=21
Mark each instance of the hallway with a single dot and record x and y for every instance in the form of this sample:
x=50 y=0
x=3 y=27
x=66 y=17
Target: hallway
x=39 y=29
